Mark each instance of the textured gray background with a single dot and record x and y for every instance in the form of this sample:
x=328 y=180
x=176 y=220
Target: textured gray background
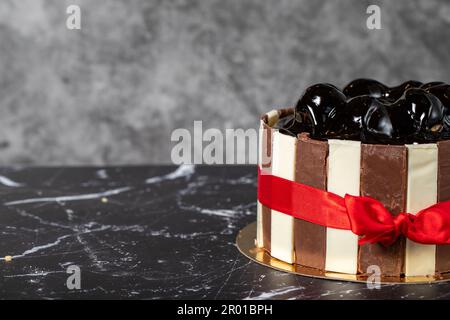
x=113 y=92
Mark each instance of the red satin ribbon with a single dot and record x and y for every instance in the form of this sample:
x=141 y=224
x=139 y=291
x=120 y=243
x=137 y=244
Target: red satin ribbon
x=365 y=216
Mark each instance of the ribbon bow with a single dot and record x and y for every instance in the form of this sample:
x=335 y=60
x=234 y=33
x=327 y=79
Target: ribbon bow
x=374 y=223
x=364 y=216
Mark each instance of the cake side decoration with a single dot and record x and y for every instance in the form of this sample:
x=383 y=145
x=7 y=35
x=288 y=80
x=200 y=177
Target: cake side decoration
x=282 y=225
x=421 y=192
x=443 y=194
x=311 y=169
x=383 y=177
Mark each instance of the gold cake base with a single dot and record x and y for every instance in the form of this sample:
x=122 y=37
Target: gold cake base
x=245 y=242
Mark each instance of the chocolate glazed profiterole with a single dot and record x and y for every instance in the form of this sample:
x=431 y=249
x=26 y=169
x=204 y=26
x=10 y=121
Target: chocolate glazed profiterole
x=371 y=112
x=386 y=121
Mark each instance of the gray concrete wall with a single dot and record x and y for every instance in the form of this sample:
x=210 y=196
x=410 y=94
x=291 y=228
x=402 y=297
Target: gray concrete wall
x=112 y=92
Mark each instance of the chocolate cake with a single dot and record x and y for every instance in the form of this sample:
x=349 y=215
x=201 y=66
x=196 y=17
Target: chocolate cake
x=369 y=141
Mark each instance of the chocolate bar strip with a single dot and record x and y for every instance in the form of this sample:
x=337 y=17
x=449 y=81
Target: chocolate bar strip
x=421 y=193
x=443 y=250
x=383 y=177
x=282 y=226
x=265 y=161
x=266 y=227
x=344 y=161
x=311 y=169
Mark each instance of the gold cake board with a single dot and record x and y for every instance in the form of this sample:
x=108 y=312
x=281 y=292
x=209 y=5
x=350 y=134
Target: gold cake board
x=245 y=242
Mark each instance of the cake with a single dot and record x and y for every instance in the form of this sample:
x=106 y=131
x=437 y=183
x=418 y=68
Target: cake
x=366 y=146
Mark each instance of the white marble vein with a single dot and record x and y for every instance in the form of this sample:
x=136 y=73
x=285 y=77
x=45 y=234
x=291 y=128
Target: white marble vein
x=35 y=274
x=275 y=293
x=87 y=196
x=10 y=183
x=102 y=174
x=183 y=171
x=40 y=247
x=218 y=212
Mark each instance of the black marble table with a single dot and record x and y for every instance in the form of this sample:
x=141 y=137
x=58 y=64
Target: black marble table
x=157 y=232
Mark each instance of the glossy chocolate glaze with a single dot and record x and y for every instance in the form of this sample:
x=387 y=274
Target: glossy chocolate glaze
x=369 y=111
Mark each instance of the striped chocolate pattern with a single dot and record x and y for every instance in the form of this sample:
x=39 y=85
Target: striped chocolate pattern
x=404 y=178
